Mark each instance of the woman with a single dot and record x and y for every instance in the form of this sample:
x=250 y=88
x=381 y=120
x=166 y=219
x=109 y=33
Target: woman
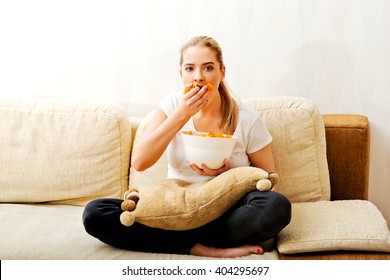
x=257 y=217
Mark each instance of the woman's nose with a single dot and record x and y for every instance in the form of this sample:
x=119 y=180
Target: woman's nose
x=198 y=77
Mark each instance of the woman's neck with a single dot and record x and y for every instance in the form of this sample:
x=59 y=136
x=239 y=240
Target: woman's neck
x=209 y=118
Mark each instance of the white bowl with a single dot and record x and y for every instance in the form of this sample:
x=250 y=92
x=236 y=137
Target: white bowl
x=211 y=151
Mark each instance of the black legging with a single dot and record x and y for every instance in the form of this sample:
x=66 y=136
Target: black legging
x=257 y=217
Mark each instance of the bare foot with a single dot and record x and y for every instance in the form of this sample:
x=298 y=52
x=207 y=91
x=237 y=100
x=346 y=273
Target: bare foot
x=245 y=250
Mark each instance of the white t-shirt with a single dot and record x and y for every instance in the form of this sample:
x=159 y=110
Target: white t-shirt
x=251 y=132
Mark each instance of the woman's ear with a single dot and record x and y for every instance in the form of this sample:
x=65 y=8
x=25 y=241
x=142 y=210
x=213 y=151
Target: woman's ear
x=223 y=70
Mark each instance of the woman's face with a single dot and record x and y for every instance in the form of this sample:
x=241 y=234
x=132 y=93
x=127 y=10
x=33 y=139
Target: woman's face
x=200 y=67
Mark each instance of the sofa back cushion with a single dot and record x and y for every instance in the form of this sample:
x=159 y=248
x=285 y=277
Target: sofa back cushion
x=155 y=173
x=62 y=152
x=299 y=148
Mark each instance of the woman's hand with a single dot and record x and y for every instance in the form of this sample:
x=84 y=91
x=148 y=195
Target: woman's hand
x=195 y=99
x=205 y=171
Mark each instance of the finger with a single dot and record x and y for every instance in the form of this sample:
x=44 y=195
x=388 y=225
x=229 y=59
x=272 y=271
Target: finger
x=207 y=170
x=192 y=100
x=198 y=101
x=212 y=172
x=192 y=92
x=203 y=89
x=195 y=168
x=215 y=172
x=201 y=96
x=227 y=163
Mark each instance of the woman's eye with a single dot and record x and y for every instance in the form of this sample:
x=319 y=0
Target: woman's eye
x=208 y=68
x=188 y=69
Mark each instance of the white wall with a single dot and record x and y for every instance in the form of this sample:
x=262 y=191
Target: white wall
x=334 y=52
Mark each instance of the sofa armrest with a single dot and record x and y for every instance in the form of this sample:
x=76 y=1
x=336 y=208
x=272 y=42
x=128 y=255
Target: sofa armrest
x=348 y=153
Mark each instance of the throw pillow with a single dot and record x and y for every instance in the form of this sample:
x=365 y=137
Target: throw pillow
x=334 y=225
x=178 y=205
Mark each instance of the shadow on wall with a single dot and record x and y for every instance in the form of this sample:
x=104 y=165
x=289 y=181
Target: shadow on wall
x=379 y=190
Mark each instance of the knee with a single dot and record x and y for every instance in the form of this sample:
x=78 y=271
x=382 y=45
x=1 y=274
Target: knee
x=263 y=215
x=100 y=213
x=275 y=208
x=280 y=208
x=90 y=216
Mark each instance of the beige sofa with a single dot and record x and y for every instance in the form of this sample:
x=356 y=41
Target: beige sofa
x=56 y=155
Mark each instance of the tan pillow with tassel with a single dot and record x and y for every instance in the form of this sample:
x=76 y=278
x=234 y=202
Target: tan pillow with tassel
x=178 y=205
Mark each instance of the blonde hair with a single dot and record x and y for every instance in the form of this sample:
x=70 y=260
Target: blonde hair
x=229 y=109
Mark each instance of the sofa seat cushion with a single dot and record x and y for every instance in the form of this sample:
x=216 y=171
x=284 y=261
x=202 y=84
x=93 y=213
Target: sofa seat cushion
x=334 y=225
x=62 y=151
x=43 y=232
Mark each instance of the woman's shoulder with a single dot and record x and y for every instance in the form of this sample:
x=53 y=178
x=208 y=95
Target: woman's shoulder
x=250 y=121
x=173 y=96
x=247 y=112
x=170 y=102
x=249 y=117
